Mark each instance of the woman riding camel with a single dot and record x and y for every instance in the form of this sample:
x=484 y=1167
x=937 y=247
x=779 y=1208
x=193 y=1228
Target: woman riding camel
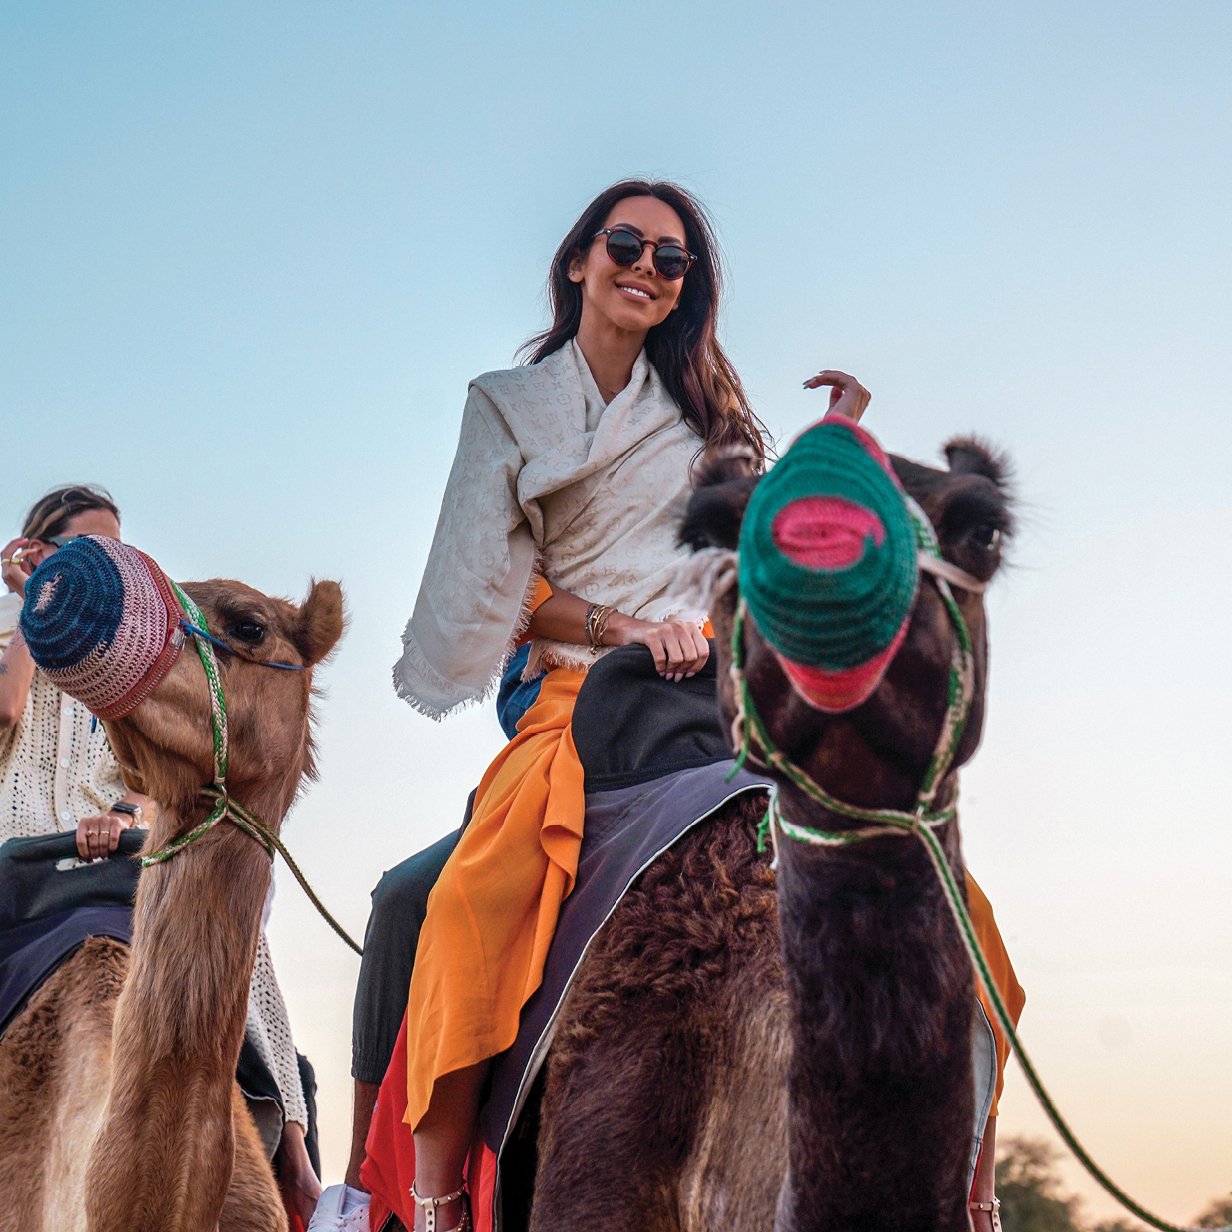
x=559 y=523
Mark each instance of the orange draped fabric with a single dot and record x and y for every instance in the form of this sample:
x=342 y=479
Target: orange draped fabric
x=493 y=913
x=491 y=918
x=1002 y=970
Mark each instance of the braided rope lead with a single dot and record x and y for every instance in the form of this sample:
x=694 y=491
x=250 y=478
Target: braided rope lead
x=254 y=826
x=958 y=909
x=748 y=726
x=226 y=809
x=218 y=701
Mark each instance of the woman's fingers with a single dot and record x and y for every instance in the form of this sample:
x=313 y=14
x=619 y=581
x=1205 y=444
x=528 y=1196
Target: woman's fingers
x=701 y=648
x=677 y=646
x=12 y=572
x=847 y=396
x=98 y=837
x=687 y=650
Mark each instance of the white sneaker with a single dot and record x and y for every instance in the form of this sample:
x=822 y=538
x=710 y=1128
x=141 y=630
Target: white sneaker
x=328 y=1216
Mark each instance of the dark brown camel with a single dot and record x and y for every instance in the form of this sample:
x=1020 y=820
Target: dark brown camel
x=118 y=1103
x=741 y=1052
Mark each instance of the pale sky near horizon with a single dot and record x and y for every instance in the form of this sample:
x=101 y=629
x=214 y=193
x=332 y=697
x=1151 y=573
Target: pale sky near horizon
x=252 y=255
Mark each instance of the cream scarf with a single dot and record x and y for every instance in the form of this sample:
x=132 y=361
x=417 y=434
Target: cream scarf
x=547 y=479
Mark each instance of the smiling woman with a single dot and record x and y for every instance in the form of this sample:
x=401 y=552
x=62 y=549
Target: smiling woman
x=558 y=528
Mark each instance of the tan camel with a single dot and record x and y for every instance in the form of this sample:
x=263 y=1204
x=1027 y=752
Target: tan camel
x=119 y=1110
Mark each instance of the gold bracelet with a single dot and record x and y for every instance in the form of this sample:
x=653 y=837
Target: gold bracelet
x=597 y=616
x=601 y=623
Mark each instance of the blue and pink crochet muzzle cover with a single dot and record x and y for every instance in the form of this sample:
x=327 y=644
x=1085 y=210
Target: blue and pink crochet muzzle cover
x=101 y=621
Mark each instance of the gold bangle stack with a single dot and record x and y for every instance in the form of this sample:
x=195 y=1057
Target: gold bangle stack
x=597 y=617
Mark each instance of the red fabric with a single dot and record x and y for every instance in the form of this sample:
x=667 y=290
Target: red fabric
x=834 y=692
x=825 y=532
x=389 y=1165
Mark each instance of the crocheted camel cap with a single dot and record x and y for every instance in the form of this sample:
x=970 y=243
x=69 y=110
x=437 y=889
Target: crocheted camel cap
x=102 y=623
x=828 y=563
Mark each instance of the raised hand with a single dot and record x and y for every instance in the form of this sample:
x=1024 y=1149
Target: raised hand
x=847 y=396
x=11 y=567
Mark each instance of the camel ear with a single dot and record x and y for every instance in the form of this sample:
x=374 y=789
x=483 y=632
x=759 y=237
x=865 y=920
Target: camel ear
x=319 y=625
x=969 y=455
x=723 y=481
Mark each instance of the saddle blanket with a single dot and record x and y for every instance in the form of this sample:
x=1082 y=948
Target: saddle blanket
x=51 y=902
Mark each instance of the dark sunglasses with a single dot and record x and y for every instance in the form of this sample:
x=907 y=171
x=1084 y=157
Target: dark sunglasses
x=670 y=260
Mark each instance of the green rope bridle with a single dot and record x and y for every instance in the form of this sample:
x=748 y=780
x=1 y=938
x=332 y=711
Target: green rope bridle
x=224 y=807
x=879 y=822
x=921 y=823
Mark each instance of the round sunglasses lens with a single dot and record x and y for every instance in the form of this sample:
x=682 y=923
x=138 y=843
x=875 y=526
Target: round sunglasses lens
x=671 y=262
x=623 y=248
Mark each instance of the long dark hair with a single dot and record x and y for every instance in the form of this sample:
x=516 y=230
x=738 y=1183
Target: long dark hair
x=52 y=513
x=684 y=349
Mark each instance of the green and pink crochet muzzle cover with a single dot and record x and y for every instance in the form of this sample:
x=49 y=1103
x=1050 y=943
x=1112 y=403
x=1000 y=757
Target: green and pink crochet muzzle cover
x=828 y=563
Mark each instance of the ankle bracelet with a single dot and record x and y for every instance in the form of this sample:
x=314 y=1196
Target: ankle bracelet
x=429 y=1206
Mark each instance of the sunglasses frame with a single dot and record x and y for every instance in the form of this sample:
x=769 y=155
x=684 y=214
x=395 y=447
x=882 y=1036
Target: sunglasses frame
x=690 y=257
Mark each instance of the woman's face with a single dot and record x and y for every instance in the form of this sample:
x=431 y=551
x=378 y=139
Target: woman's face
x=633 y=297
x=91 y=522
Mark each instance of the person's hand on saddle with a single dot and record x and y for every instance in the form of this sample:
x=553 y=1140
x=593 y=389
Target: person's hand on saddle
x=678 y=646
x=847 y=396
x=99 y=836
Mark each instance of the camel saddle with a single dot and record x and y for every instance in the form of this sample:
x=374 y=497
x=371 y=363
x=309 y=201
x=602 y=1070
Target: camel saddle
x=657 y=764
x=51 y=902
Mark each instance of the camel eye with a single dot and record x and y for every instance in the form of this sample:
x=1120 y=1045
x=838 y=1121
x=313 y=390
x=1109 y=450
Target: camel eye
x=248 y=631
x=986 y=536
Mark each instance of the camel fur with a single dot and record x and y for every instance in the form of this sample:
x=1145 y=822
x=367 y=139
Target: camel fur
x=119 y=1110
x=748 y=1049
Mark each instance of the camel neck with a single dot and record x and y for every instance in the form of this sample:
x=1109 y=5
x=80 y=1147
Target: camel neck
x=881 y=999
x=197 y=920
x=168 y=1134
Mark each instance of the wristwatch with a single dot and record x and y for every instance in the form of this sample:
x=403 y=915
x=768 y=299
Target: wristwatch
x=129 y=810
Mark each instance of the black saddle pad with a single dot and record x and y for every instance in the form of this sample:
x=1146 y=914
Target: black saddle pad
x=43 y=876
x=51 y=901
x=631 y=726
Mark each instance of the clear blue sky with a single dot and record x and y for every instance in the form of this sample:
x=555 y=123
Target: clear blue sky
x=252 y=254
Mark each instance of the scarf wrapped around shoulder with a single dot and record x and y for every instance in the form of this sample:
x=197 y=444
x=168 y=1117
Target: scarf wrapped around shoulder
x=547 y=480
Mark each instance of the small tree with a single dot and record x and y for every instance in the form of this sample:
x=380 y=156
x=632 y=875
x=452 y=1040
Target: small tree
x=1030 y=1191
x=1217 y=1215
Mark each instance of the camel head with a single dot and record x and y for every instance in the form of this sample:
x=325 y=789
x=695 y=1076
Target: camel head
x=864 y=726
x=103 y=622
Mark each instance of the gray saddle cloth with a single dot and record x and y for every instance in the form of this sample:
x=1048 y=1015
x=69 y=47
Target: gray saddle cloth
x=657 y=764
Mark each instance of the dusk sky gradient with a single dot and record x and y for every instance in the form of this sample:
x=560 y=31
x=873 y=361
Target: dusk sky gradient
x=253 y=253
